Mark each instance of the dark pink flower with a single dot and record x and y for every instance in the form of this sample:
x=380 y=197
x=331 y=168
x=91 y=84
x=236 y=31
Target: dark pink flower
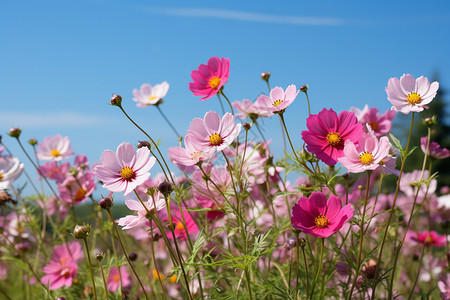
x=74 y=191
x=380 y=125
x=210 y=78
x=318 y=217
x=429 y=238
x=435 y=149
x=180 y=230
x=63 y=267
x=408 y=94
x=124 y=170
x=113 y=282
x=327 y=133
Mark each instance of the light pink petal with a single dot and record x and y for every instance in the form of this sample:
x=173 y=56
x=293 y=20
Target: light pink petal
x=407 y=84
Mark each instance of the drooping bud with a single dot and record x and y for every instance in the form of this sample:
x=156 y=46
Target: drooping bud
x=81 y=232
x=142 y=144
x=429 y=122
x=106 y=203
x=302 y=242
x=116 y=100
x=369 y=268
x=32 y=142
x=265 y=76
x=247 y=126
x=165 y=188
x=304 y=88
x=15 y=132
x=132 y=256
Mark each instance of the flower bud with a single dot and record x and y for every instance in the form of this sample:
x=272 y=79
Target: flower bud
x=369 y=268
x=106 y=203
x=32 y=142
x=290 y=243
x=429 y=122
x=142 y=144
x=305 y=155
x=61 y=298
x=265 y=76
x=302 y=242
x=15 y=132
x=81 y=232
x=132 y=256
x=304 y=88
x=165 y=188
x=116 y=100
x=100 y=256
x=247 y=126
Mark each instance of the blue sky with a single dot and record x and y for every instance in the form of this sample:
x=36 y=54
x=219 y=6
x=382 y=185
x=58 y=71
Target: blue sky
x=60 y=61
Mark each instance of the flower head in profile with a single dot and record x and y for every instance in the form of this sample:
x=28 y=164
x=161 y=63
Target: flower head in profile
x=408 y=94
x=125 y=169
x=10 y=170
x=186 y=158
x=410 y=181
x=318 y=217
x=213 y=132
x=444 y=286
x=278 y=101
x=153 y=204
x=327 y=133
x=54 y=148
x=366 y=155
x=248 y=109
x=150 y=95
x=434 y=149
x=63 y=267
x=431 y=238
x=209 y=78
x=380 y=124
x=114 y=277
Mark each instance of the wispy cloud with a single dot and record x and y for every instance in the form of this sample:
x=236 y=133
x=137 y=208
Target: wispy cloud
x=246 y=16
x=49 y=119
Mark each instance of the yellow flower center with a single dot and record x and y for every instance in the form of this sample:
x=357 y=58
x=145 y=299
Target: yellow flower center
x=214 y=82
x=179 y=226
x=366 y=158
x=55 y=153
x=414 y=98
x=428 y=240
x=215 y=139
x=374 y=125
x=127 y=173
x=1 y=176
x=333 y=138
x=321 y=221
x=152 y=98
x=157 y=275
x=276 y=103
x=80 y=194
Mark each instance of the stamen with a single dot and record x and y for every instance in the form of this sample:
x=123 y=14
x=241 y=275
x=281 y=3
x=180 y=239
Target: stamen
x=333 y=138
x=127 y=173
x=277 y=102
x=214 y=82
x=55 y=153
x=321 y=221
x=215 y=139
x=414 y=98
x=366 y=158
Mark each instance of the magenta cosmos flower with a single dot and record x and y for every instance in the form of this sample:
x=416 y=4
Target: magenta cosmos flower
x=54 y=148
x=278 y=101
x=435 y=149
x=124 y=170
x=63 y=267
x=318 y=217
x=150 y=95
x=210 y=78
x=430 y=238
x=366 y=155
x=380 y=124
x=113 y=282
x=408 y=94
x=327 y=133
x=213 y=132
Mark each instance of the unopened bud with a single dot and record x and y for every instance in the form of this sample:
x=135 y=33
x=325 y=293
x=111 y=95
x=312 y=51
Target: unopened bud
x=265 y=76
x=304 y=88
x=290 y=243
x=32 y=142
x=305 y=155
x=106 y=203
x=302 y=242
x=429 y=122
x=61 y=298
x=116 y=100
x=142 y=144
x=15 y=132
x=165 y=188
x=132 y=256
x=100 y=256
x=81 y=232
x=369 y=268
x=247 y=126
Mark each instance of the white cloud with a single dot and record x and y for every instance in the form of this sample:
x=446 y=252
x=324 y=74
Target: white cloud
x=49 y=119
x=246 y=16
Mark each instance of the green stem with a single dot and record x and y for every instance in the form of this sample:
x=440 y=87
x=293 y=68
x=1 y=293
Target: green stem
x=90 y=267
x=418 y=271
x=247 y=277
x=306 y=270
x=229 y=103
x=221 y=104
x=104 y=280
x=154 y=262
x=168 y=122
x=297 y=242
x=307 y=99
x=319 y=268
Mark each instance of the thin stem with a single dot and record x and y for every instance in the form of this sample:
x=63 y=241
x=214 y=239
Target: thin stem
x=319 y=268
x=90 y=267
x=376 y=201
x=418 y=271
x=221 y=104
x=154 y=262
x=260 y=132
x=247 y=277
x=229 y=103
x=126 y=254
x=117 y=263
x=297 y=242
x=306 y=270
x=361 y=238
x=104 y=280
x=168 y=122
x=307 y=99
x=377 y=269
x=4 y=293
x=180 y=258
x=243 y=156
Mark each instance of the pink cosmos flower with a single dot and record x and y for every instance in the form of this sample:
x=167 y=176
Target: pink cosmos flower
x=133 y=220
x=187 y=157
x=428 y=238
x=54 y=207
x=248 y=109
x=10 y=170
x=381 y=125
x=444 y=286
x=327 y=133
x=54 y=148
x=209 y=78
x=318 y=217
x=279 y=99
x=113 y=282
x=74 y=191
x=149 y=95
x=366 y=155
x=124 y=170
x=408 y=181
x=180 y=231
x=63 y=267
x=408 y=94
x=212 y=132
x=435 y=149
x=54 y=171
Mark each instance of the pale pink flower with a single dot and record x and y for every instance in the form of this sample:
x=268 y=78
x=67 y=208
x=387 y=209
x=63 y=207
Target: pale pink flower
x=408 y=94
x=113 y=282
x=434 y=148
x=248 y=109
x=150 y=95
x=53 y=206
x=409 y=181
x=124 y=170
x=74 y=191
x=151 y=204
x=444 y=286
x=213 y=132
x=54 y=148
x=10 y=170
x=278 y=101
x=55 y=171
x=366 y=155
x=63 y=267
x=209 y=78
x=380 y=125
x=192 y=154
